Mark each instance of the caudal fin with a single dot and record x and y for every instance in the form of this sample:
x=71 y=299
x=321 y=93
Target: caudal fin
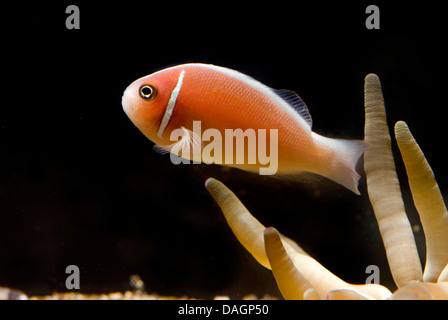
x=342 y=169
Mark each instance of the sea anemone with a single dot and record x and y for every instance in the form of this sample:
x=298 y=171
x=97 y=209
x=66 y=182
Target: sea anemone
x=299 y=276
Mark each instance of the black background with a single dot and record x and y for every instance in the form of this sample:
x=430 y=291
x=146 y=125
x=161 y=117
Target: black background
x=79 y=184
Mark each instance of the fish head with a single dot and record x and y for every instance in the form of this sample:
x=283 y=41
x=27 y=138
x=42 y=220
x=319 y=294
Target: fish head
x=145 y=100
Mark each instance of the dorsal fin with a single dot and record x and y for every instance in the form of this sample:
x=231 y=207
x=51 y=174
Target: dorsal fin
x=296 y=103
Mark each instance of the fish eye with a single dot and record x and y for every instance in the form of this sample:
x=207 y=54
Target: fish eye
x=148 y=92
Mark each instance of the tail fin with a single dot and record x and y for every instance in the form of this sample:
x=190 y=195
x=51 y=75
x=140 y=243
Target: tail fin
x=343 y=167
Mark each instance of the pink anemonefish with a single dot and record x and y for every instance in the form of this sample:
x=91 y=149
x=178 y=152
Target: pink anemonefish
x=222 y=98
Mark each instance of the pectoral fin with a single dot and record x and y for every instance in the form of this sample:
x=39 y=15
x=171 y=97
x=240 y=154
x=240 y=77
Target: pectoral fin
x=189 y=144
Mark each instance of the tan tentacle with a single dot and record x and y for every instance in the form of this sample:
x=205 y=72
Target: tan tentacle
x=384 y=190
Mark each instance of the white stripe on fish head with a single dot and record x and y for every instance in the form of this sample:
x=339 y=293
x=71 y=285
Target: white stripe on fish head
x=170 y=106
